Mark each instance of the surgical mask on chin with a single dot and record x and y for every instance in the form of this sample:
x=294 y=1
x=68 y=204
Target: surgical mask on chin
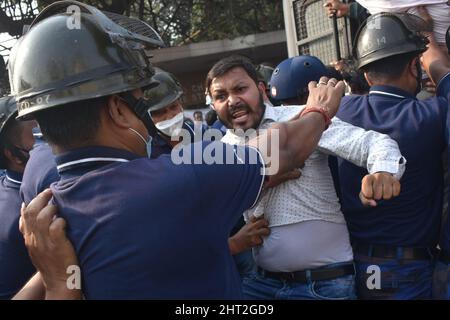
x=148 y=144
x=172 y=126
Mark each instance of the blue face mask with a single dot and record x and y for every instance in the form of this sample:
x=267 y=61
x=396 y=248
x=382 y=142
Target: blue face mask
x=148 y=144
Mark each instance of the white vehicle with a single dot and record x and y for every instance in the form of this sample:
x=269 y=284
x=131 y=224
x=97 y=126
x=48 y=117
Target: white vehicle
x=310 y=31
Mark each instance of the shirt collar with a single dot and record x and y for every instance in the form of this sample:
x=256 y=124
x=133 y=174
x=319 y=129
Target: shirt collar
x=14 y=178
x=269 y=114
x=89 y=157
x=391 y=92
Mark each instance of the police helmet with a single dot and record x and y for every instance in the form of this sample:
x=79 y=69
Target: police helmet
x=264 y=73
x=388 y=34
x=74 y=52
x=291 y=77
x=8 y=113
x=168 y=90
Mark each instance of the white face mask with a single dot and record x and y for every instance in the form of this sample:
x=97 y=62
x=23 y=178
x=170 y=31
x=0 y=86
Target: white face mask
x=148 y=144
x=172 y=126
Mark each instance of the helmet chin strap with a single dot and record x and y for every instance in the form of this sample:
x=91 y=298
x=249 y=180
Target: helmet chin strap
x=18 y=154
x=140 y=107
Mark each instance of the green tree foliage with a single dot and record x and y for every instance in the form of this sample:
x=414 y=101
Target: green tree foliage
x=178 y=21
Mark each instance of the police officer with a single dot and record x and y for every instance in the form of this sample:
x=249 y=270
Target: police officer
x=40 y=171
x=134 y=238
x=399 y=236
x=441 y=280
x=167 y=113
x=289 y=81
x=264 y=73
x=16 y=141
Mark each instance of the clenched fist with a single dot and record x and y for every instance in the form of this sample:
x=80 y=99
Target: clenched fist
x=378 y=186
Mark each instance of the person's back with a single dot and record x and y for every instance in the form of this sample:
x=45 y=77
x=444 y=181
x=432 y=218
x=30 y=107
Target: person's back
x=412 y=219
x=399 y=236
x=39 y=173
x=120 y=234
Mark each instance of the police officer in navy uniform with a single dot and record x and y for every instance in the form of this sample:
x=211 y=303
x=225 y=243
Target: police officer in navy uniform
x=16 y=141
x=289 y=82
x=167 y=113
x=136 y=225
x=394 y=241
x=39 y=173
x=441 y=280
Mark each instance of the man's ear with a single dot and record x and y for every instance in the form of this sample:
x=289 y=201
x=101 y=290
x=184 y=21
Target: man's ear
x=119 y=112
x=369 y=82
x=261 y=87
x=412 y=66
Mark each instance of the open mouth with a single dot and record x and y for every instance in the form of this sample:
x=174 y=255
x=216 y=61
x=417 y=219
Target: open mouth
x=240 y=116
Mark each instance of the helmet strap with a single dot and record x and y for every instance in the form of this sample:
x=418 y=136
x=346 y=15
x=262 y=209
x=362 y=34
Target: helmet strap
x=18 y=153
x=140 y=107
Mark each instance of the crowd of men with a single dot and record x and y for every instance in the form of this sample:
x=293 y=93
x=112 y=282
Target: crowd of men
x=311 y=194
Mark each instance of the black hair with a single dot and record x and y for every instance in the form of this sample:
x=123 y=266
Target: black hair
x=226 y=64
x=211 y=117
x=67 y=126
x=388 y=68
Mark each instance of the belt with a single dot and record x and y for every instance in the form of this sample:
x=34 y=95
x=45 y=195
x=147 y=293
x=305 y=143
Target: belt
x=444 y=256
x=388 y=252
x=311 y=275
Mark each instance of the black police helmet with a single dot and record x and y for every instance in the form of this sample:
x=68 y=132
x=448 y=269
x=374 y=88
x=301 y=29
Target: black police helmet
x=74 y=52
x=168 y=90
x=8 y=113
x=388 y=34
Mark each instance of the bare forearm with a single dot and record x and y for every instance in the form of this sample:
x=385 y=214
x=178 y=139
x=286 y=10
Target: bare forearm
x=33 y=290
x=63 y=293
x=234 y=246
x=289 y=144
x=436 y=61
x=302 y=137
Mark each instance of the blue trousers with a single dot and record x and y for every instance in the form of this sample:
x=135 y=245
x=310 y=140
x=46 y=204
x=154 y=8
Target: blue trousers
x=441 y=281
x=393 y=279
x=259 y=287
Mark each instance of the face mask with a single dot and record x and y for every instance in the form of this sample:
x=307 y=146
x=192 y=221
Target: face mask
x=148 y=144
x=172 y=126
